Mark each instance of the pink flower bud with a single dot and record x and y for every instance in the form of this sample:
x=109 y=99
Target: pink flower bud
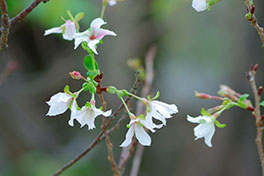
x=76 y=75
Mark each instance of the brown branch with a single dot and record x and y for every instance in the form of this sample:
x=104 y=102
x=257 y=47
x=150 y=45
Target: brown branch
x=4 y=30
x=107 y=138
x=257 y=114
x=253 y=20
x=101 y=135
x=5 y=23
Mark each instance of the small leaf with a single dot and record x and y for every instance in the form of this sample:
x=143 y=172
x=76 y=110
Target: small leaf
x=79 y=16
x=67 y=90
x=261 y=103
x=205 y=113
x=218 y=124
x=243 y=97
x=156 y=96
x=88 y=63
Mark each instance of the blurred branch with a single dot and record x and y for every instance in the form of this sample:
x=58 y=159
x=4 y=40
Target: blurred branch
x=259 y=124
x=101 y=135
x=5 y=23
x=128 y=151
x=253 y=20
x=4 y=30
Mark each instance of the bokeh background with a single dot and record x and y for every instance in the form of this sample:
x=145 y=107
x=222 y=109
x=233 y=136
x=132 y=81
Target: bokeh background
x=196 y=52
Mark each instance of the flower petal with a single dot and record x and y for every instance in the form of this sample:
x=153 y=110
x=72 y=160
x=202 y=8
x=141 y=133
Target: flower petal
x=142 y=136
x=112 y=2
x=96 y=24
x=209 y=136
x=55 y=30
x=129 y=136
x=92 y=45
x=81 y=37
x=199 y=5
x=164 y=108
x=70 y=30
x=103 y=32
x=194 y=119
x=58 y=103
x=74 y=113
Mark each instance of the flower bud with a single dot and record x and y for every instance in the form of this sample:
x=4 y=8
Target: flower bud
x=76 y=75
x=202 y=95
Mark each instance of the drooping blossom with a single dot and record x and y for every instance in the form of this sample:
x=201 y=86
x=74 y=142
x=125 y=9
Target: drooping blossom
x=159 y=110
x=205 y=129
x=199 y=5
x=136 y=127
x=68 y=30
x=87 y=115
x=59 y=103
x=93 y=35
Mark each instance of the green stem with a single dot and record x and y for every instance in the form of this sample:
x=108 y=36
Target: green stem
x=103 y=10
x=135 y=96
x=125 y=105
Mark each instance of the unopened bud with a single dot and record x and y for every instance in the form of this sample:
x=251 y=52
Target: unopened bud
x=255 y=68
x=76 y=75
x=202 y=95
x=250 y=108
x=260 y=90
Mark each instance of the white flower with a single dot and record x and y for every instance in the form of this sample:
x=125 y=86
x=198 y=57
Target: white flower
x=59 y=103
x=199 y=5
x=87 y=115
x=93 y=35
x=68 y=30
x=112 y=2
x=206 y=128
x=160 y=111
x=136 y=127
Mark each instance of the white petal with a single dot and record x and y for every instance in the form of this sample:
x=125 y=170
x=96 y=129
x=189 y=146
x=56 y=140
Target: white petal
x=142 y=136
x=209 y=136
x=129 y=136
x=70 y=30
x=96 y=24
x=164 y=108
x=199 y=5
x=194 y=120
x=58 y=103
x=112 y=2
x=92 y=45
x=203 y=130
x=81 y=37
x=158 y=116
x=148 y=124
x=103 y=32
x=55 y=30
x=87 y=117
x=74 y=113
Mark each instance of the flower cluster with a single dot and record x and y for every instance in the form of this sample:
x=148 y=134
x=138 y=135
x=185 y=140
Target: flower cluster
x=155 y=109
x=91 y=36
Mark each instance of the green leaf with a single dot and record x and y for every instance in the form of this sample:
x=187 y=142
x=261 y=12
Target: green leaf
x=261 y=103
x=88 y=63
x=243 y=97
x=205 y=113
x=92 y=74
x=79 y=16
x=156 y=96
x=67 y=90
x=218 y=124
x=86 y=86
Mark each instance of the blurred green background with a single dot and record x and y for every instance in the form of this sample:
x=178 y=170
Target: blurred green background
x=196 y=52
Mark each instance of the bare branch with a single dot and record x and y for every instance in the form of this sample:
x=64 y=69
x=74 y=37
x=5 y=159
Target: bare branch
x=5 y=22
x=257 y=114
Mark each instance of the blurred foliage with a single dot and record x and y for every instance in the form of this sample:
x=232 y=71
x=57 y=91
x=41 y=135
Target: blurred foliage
x=49 y=14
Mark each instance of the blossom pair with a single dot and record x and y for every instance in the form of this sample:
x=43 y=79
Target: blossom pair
x=155 y=109
x=91 y=36
x=60 y=102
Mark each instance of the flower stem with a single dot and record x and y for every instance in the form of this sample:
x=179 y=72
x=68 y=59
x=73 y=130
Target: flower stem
x=125 y=105
x=103 y=10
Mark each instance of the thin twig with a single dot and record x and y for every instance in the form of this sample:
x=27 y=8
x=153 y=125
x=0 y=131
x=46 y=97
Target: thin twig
x=107 y=138
x=5 y=22
x=253 y=20
x=101 y=135
x=257 y=114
